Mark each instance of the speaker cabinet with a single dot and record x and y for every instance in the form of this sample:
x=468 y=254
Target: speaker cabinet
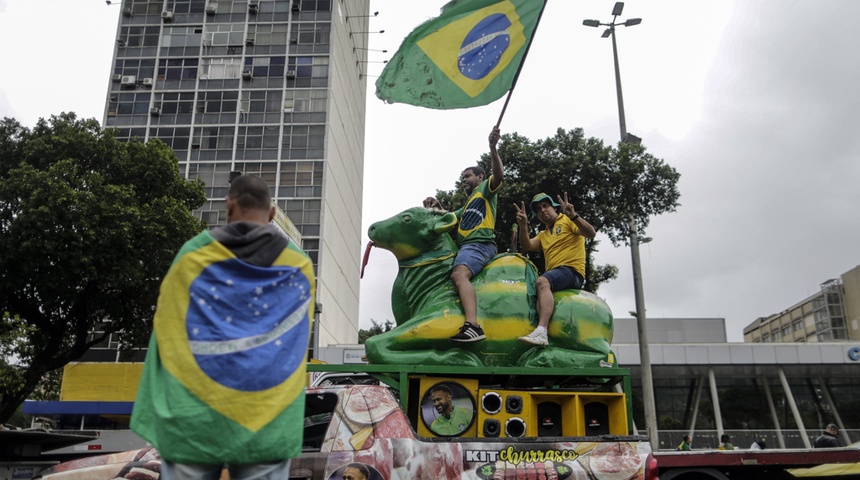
x=596 y=418
x=447 y=407
x=549 y=419
x=505 y=412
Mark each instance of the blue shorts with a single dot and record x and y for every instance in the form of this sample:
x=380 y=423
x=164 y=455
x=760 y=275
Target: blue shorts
x=563 y=278
x=475 y=256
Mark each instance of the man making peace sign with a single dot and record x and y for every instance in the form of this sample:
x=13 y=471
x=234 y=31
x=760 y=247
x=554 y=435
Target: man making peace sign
x=563 y=245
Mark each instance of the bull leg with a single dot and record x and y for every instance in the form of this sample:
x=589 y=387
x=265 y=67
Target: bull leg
x=392 y=348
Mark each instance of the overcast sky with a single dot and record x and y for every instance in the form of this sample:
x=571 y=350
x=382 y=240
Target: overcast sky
x=752 y=102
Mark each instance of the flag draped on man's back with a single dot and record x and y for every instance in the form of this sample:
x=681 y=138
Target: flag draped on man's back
x=225 y=371
x=466 y=57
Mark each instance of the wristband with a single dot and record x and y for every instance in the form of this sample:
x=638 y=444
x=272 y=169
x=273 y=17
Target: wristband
x=574 y=217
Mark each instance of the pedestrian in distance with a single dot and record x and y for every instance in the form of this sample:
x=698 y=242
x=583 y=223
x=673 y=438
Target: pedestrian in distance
x=686 y=444
x=829 y=438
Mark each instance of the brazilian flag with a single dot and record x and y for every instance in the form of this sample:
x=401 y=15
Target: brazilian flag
x=466 y=57
x=225 y=372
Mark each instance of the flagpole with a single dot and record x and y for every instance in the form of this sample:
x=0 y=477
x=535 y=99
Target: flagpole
x=520 y=67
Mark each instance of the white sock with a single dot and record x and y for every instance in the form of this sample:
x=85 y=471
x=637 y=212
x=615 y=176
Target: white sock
x=540 y=328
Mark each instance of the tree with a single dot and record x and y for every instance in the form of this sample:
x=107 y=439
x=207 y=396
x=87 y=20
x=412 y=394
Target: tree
x=376 y=329
x=88 y=227
x=606 y=184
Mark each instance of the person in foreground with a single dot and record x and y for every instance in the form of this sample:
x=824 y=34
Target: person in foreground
x=223 y=383
x=563 y=244
x=476 y=238
x=829 y=438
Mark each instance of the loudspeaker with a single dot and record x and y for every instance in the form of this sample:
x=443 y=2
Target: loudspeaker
x=492 y=427
x=491 y=403
x=514 y=404
x=515 y=427
x=549 y=419
x=596 y=418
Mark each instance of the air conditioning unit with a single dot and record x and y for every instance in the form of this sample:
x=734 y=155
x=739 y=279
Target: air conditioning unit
x=297 y=6
x=207 y=42
x=249 y=41
x=128 y=80
x=167 y=16
x=210 y=10
x=155 y=111
x=126 y=11
x=253 y=6
x=147 y=82
x=288 y=105
x=120 y=42
x=247 y=75
x=115 y=77
x=291 y=74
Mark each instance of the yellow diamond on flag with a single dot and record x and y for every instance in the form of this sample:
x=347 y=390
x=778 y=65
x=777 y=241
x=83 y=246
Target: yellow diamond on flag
x=473 y=50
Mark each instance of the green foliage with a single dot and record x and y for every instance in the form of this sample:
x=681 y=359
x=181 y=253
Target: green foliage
x=376 y=329
x=606 y=185
x=88 y=227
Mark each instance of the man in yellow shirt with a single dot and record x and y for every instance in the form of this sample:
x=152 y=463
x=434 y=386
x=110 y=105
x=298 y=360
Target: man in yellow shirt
x=563 y=245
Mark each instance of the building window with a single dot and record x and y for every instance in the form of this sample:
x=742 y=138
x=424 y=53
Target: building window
x=213 y=138
x=258 y=142
x=218 y=68
x=301 y=179
x=265 y=66
x=176 y=138
x=303 y=142
x=268 y=34
x=309 y=71
x=231 y=34
x=140 y=36
x=216 y=176
x=139 y=68
x=177 y=68
x=308 y=100
x=146 y=7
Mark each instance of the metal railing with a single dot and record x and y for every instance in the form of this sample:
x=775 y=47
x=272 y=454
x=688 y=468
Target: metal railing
x=742 y=439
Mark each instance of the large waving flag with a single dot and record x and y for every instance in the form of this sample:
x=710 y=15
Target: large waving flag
x=226 y=368
x=466 y=57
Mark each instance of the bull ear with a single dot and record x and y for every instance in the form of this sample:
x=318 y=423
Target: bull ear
x=445 y=222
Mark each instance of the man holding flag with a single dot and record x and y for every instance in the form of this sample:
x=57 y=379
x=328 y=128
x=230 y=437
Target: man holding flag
x=476 y=237
x=225 y=371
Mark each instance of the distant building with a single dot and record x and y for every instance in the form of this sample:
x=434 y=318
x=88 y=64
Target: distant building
x=830 y=315
x=271 y=88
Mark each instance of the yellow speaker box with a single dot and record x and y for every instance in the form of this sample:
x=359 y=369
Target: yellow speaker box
x=504 y=413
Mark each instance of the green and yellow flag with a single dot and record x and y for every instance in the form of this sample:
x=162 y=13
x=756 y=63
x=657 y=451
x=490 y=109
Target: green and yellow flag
x=466 y=57
x=225 y=372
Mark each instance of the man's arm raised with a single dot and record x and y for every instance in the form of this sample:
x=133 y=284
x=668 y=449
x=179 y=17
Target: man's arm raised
x=529 y=244
x=498 y=172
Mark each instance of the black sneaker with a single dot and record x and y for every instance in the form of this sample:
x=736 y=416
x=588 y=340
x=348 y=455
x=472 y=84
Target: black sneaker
x=469 y=333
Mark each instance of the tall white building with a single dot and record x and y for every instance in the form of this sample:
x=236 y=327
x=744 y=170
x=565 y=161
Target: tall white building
x=274 y=88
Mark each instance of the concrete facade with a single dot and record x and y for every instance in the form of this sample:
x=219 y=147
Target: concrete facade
x=271 y=88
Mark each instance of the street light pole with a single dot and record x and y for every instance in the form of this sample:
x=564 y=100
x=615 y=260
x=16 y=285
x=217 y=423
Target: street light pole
x=638 y=290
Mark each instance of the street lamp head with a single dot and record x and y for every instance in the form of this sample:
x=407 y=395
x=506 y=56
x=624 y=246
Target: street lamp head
x=616 y=10
x=591 y=23
x=606 y=33
x=632 y=21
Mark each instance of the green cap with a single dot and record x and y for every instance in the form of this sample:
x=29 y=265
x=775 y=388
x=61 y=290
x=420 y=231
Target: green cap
x=541 y=197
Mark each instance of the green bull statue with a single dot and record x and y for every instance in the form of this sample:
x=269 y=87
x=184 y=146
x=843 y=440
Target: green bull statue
x=427 y=309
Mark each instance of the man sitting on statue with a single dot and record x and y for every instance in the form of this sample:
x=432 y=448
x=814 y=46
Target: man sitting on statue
x=563 y=244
